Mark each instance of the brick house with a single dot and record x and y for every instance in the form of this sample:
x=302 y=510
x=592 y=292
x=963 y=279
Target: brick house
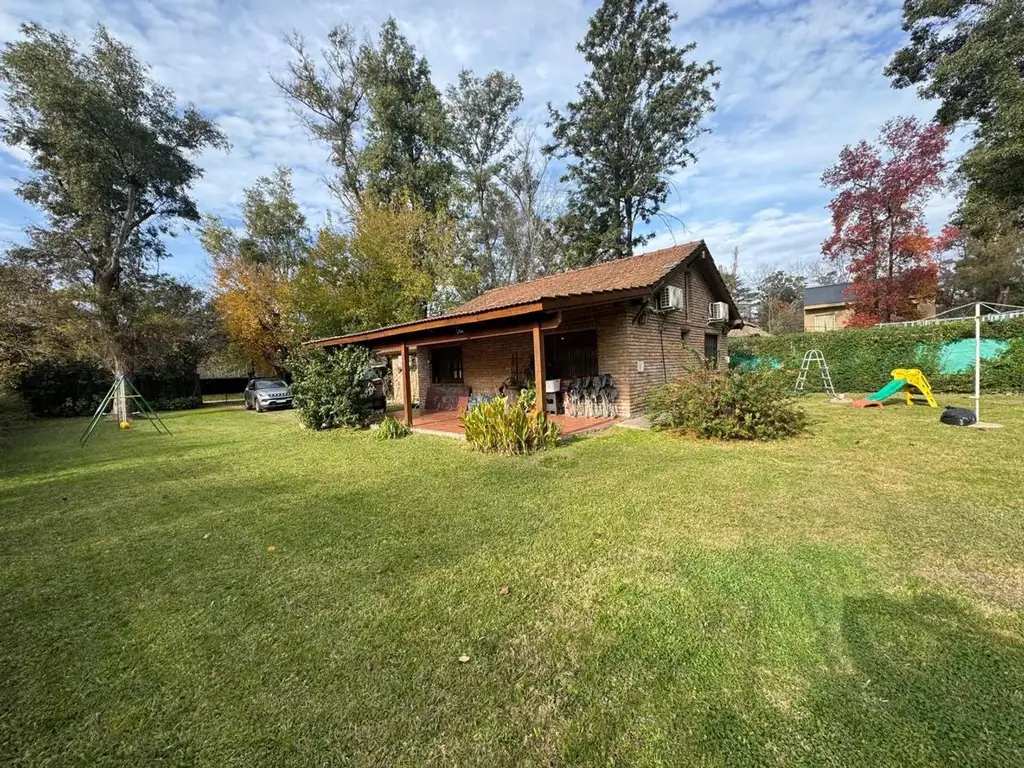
x=640 y=320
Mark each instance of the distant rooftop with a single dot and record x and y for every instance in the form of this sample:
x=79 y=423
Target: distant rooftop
x=826 y=294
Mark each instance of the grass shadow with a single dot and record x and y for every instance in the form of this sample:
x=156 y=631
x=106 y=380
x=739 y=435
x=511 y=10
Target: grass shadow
x=924 y=682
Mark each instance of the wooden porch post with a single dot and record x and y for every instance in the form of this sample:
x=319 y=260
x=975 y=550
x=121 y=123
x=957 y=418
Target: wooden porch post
x=538 y=368
x=406 y=387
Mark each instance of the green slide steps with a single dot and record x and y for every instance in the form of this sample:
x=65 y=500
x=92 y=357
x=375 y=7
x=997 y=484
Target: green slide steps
x=888 y=390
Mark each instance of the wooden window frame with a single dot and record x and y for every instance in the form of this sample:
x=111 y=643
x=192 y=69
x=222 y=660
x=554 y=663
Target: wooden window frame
x=552 y=356
x=451 y=369
x=709 y=337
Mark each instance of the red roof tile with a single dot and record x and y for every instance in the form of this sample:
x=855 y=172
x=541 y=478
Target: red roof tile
x=621 y=275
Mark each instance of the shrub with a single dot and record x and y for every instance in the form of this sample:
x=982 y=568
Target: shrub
x=76 y=387
x=64 y=388
x=177 y=403
x=391 y=428
x=329 y=388
x=733 y=405
x=498 y=427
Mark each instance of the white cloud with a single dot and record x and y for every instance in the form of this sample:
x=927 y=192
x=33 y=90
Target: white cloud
x=799 y=80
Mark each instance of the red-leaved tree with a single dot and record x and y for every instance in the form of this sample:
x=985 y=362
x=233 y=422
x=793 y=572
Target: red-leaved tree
x=879 y=231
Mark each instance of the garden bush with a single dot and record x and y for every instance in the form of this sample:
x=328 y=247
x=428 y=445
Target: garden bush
x=176 y=403
x=391 y=428
x=861 y=359
x=67 y=388
x=329 y=388
x=64 y=388
x=729 y=405
x=496 y=426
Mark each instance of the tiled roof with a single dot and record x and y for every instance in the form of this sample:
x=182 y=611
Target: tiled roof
x=639 y=271
x=621 y=275
x=826 y=294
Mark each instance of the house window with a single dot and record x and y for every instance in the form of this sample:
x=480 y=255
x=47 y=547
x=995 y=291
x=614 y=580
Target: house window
x=446 y=365
x=570 y=355
x=825 y=322
x=711 y=348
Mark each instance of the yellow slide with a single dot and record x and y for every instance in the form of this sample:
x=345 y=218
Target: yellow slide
x=919 y=391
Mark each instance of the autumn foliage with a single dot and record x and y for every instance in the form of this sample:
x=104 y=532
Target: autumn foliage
x=879 y=230
x=254 y=301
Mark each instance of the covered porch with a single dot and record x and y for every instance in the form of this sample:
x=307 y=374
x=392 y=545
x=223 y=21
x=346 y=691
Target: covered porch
x=438 y=379
x=572 y=357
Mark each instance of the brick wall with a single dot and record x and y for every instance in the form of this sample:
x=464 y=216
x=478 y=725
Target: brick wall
x=397 y=381
x=422 y=370
x=665 y=331
x=486 y=363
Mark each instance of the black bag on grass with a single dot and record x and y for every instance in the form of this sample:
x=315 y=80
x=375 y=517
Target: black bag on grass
x=957 y=417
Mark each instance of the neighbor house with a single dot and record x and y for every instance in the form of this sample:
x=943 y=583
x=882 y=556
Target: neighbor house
x=636 y=323
x=828 y=307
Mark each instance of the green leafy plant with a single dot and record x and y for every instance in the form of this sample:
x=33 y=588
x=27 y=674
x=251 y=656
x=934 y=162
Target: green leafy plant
x=177 y=403
x=733 y=405
x=330 y=389
x=499 y=427
x=391 y=428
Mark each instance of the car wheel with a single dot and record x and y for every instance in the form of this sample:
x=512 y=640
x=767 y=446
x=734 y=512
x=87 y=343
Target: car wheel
x=259 y=407
x=247 y=406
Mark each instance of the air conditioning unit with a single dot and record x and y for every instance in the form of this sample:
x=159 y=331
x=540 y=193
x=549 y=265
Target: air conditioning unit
x=670 y=297
x=718 y=311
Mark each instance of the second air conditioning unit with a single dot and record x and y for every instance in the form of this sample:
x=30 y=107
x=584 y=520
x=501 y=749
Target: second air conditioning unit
x=670 y=297
x=718 y=311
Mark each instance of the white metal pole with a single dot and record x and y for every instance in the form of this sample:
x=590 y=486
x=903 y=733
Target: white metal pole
x=977 y=361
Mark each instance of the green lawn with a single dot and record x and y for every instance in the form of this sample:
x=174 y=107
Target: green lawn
x=853 y=597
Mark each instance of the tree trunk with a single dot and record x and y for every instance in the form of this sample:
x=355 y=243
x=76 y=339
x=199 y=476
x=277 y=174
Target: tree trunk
x=121 y=411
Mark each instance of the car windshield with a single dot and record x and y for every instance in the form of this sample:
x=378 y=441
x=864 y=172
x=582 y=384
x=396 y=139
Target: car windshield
x=271 y=384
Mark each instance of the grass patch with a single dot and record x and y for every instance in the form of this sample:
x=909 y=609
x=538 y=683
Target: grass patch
x=849 y=597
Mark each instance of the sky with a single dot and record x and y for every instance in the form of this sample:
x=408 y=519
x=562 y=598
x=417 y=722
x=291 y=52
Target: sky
x=799 y=80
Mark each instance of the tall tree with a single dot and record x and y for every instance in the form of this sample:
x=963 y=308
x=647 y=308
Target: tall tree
x=389 y=267
x=33 y=314
x=991 y=268
x=778 y=301
x=482 y=116
x=377 y=107
x=743 y=294
x=112 y=165
x=526 y=213
x=638 y=112
x=407 y=131
x=878 y=222
x=330 y=101
x=253 y=272
x=968 y=55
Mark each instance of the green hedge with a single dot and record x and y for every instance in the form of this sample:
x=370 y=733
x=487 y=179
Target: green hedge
x=76 y=387
x=861 y=359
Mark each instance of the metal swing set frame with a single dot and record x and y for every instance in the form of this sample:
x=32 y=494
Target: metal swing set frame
x=123 y=389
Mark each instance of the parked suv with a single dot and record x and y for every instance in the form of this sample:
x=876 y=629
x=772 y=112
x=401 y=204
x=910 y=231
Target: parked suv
x=264 y=394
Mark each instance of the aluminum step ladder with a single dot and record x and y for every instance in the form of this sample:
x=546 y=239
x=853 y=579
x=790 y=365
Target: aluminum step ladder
x=815 y=356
